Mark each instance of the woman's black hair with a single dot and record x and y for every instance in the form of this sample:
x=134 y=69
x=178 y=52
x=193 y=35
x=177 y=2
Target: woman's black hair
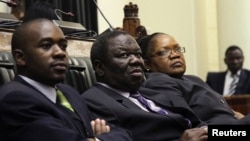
x=144 y=42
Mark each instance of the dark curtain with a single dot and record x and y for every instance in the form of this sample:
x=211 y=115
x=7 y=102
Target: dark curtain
x=85 y=11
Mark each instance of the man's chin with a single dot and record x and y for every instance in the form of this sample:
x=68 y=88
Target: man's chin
x=137 y=83
x=138 y=78
x=58 y=79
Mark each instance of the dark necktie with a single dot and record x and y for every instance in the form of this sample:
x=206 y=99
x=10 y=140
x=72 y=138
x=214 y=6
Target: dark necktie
x=63 y=100
x=146 y=104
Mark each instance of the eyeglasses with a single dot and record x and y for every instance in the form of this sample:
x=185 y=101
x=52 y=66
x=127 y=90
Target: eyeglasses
x=167 y=52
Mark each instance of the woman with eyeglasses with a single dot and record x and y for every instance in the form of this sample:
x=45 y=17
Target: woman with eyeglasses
x=162 y=53
x=165 y=67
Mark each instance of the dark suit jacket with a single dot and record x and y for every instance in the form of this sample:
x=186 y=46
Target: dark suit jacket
x=207 y=104
x=216 y=81
x=27 y=115
x=144 y=126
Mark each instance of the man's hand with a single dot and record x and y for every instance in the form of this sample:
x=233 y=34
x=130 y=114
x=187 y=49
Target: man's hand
x=195 y=134
x=238 y=115
x=99 y=126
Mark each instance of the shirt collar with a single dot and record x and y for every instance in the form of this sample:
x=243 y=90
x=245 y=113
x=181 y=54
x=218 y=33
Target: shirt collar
x=46 y=90
x=237 y=73
x=123 y=93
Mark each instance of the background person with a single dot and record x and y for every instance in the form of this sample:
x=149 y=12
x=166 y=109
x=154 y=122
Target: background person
x=235 y=80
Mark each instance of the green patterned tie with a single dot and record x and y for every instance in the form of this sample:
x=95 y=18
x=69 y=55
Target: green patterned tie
x=63 y=100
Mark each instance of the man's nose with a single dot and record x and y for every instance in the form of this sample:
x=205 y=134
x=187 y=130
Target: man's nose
x=59 y=51
x=135 y=59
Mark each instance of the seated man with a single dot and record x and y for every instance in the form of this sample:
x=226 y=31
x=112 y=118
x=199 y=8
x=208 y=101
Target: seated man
x=235 y=80
x=35 y=106
x=117 y=61
x=162 y=53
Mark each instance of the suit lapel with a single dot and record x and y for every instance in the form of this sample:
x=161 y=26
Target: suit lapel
x=80 y=112
x=242 y=81
x=170 y=104
x=39 y=94
x=118 y=97
x=64 y=115
x=156 y=97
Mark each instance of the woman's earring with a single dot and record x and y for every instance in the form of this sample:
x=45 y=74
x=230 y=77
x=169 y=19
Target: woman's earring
x=147 y=70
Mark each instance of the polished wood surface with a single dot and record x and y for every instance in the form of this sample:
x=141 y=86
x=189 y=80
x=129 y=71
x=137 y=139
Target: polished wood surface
x=131 y=21
x=240 y=103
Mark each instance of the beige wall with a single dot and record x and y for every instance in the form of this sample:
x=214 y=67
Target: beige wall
x=205 y=27
x=113 y=11
x=234 y=27
x=191 y=22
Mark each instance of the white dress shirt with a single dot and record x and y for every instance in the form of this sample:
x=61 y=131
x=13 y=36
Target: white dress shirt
x=228 y=82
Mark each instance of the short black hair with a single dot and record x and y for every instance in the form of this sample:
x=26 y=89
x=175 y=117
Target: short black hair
x=231 y=48
x=144 y=42
x=101 y=44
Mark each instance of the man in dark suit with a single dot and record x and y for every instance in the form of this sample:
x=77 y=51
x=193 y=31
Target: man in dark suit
x=222 y=81
x=163 y=54
x=28 y=105
x=116 y=58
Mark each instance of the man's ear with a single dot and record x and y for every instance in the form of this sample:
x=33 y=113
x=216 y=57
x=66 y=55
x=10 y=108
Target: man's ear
x=225 y=61
x=19 y=57
x=98 y=66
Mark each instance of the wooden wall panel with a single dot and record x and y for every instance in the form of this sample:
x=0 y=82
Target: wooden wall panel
x=75 y=47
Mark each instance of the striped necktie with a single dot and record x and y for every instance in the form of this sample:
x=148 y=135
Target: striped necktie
x=233 y=84
x=63 y=100
x=161 y=111
x=146 y=104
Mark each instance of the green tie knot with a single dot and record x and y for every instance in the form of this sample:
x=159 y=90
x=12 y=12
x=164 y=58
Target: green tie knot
x=63 y=100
